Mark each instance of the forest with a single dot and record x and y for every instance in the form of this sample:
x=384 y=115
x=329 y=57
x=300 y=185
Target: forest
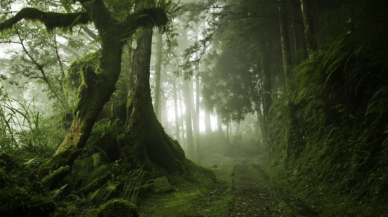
x=193 y=108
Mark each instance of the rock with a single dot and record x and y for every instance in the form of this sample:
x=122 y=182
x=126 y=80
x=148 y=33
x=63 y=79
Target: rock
x=118 y=207
x=162 y=185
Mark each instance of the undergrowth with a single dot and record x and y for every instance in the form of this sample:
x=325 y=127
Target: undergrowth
x=330 y=133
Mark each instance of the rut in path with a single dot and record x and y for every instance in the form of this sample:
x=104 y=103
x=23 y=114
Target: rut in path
x=252 y=198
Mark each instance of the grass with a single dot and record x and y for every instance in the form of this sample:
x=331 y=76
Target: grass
x=200 y=196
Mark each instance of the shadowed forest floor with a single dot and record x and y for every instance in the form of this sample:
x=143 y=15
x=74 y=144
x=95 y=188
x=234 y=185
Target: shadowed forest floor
x=241 y=189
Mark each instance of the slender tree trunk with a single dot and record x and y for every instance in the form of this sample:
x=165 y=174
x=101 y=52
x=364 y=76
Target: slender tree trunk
x=189 y=129
x=285 y=40
x=227 y=130
x=219 y=124
x=265 y=59
x=174 y=90
x=158 y=67
x=309 y=32
x=208 y=125
x=263 y=126
x=197 y=115
x=294 y=33
x=182 y=120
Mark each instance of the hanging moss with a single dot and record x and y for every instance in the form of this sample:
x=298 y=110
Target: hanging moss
x=50 y=19
x=73 y=78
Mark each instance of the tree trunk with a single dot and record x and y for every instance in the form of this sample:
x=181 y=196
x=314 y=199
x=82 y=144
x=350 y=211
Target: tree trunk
x=263 y=126
x=285 y=40
x=219 y=124
x=208 y=125
x=174 y=90
x=189 y=129
x=145 y=141
x=297 y=57
x=309 y=32
x=95 y=90
x=196 y=118
x=158 y=67
x=265 y=59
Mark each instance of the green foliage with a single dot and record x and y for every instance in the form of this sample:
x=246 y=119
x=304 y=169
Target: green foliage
x=329 y=133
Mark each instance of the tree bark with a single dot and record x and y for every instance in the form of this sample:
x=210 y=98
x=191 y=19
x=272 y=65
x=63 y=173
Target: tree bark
x=219 y=124
x=309 y=32
x=208 y=125
x=265 y=62
x=285 y=41
x=158 y=67
x=297 y=57
x=174 y=90
x=189 y=129
x=146 y=141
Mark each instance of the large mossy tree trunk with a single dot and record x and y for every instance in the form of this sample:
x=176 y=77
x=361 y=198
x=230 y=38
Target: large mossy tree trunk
x=97 y=86
x=145 y=141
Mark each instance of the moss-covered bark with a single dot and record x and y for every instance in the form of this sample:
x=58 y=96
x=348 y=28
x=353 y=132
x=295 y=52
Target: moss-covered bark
x=145 y=141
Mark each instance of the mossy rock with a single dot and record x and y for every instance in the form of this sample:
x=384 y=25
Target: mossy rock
x=67 y=157
x=162 y=185
x=16 y=201
x=118 y=207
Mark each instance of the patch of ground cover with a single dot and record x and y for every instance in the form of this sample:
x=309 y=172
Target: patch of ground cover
x=197 y=196
x=318 y=195
x=291 y=204
x=252 y=198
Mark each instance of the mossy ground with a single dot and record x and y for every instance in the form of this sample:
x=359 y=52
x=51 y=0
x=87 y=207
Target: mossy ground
x=320 y=196
x=196 y=195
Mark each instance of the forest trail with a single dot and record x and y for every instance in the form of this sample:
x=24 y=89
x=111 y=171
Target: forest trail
x=242 y=189
x=253 y=197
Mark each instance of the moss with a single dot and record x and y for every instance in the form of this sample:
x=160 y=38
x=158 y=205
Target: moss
x=162 y=185
x=50 y=19
x=73 y=78
x=118 y=207
x=64 y=158
x=53 y=178
x=95 y=184
x=16 y=201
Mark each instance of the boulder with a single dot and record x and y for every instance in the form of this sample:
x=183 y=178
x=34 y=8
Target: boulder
x=162 y=185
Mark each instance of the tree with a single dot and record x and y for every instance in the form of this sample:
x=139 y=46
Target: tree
x=98 y=85
x=309 y=32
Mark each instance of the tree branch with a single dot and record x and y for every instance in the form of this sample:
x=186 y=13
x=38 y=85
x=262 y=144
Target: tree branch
x=50 y=19
x=149 y=17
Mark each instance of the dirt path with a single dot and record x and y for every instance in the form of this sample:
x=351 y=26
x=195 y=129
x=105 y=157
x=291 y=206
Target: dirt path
x=252 y=198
